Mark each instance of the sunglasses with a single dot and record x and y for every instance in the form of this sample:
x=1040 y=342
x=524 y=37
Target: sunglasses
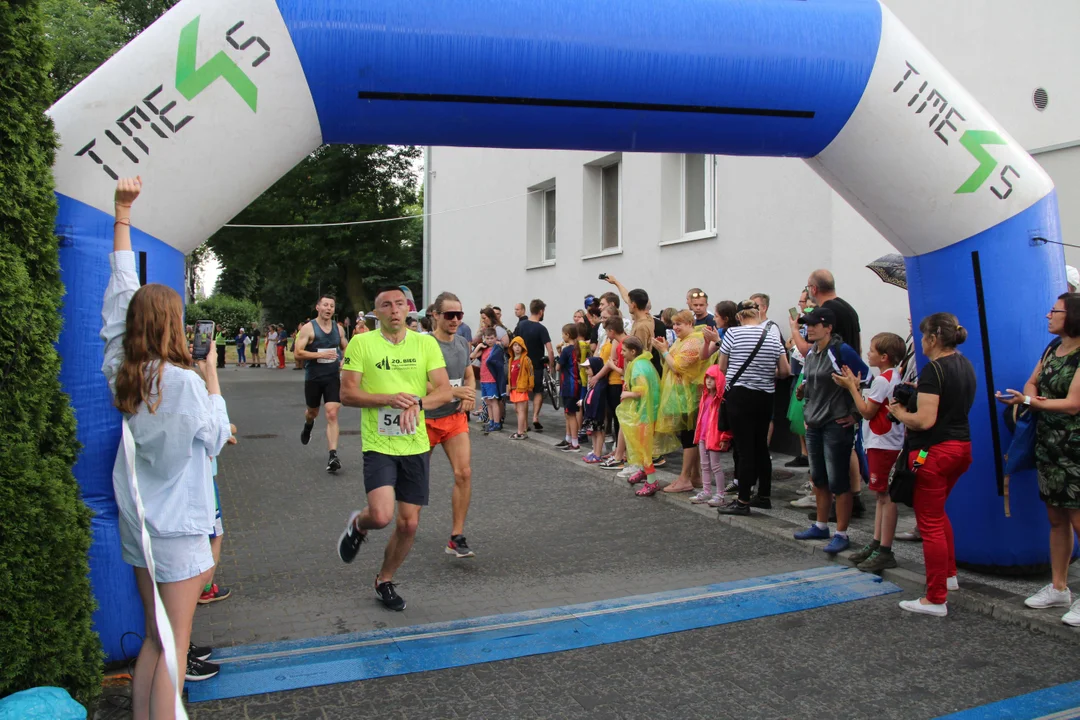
x=698 y=295
x=453 y=315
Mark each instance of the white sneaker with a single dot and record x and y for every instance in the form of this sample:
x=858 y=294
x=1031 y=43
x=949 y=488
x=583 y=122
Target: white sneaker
x=700 y=498
x=952 y=583
x=718 y=500
x=630 y=471
x=807 y=501
x=936 y=610
x=1073 y=616
x=1050 y=597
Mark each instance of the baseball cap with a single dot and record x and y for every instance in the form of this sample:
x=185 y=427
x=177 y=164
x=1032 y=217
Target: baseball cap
x=1072 y=276
x=589 y=300
x=817 y=316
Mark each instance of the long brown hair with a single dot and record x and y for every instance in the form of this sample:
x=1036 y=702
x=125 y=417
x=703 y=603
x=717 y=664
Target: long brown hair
x=154 y=334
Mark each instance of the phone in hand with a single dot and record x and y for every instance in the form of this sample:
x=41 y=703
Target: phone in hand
x=794 y=312
x=603 y=276
x=204 y=335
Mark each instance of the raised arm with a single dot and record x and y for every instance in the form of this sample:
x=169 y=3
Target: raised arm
x=123 y=281
x=623 y=292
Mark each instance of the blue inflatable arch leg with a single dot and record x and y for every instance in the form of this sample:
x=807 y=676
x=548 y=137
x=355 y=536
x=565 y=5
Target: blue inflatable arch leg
x=215 y=101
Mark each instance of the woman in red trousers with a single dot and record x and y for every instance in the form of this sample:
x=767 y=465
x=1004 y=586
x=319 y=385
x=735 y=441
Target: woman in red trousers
x=940 y=443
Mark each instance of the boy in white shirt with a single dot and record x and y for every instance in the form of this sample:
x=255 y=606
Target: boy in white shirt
x=884 y=440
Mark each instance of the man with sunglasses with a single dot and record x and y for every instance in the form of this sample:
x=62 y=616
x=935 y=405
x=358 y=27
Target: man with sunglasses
x=698 y=302
x=449 y=425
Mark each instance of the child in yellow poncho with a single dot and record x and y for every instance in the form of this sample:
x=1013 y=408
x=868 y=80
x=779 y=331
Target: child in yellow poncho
x=637 y=415
x=680 y=392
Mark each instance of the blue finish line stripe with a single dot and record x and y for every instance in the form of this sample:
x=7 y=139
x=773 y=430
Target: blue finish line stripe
x=1056 y=703
x=289 y=665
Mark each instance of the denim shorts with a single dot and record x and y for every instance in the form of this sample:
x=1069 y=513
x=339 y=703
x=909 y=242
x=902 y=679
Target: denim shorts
x=829 y=448
x=176 y=558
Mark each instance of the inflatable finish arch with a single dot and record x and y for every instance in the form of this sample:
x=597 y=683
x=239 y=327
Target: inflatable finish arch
x=217 y=100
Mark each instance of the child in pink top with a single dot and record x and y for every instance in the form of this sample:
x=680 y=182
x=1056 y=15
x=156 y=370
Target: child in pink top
x=711 y=442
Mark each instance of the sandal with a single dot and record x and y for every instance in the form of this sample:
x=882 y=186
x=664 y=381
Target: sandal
x=648 y=489
x=519 y=436
x=637 y=477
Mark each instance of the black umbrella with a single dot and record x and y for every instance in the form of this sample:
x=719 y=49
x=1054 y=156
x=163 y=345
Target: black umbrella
x=891 y=269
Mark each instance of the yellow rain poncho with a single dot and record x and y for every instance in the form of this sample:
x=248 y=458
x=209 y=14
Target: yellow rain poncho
x=680 y=388
x=637 y=416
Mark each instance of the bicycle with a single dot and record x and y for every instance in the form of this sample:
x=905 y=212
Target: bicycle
x=551 y=386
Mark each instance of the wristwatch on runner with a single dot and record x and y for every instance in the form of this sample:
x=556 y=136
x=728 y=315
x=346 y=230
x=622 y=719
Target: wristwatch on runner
x=419 y=401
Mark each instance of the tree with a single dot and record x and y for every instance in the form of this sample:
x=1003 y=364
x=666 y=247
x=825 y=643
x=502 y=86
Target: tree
x=44 y=525
x=82 y=34
x=139 y=14
x=228 y=313
x=286 y=269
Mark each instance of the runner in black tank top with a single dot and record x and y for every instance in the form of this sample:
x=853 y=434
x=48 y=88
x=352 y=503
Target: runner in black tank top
x=320 y=344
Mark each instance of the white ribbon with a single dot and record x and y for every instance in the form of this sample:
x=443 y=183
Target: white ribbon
x=161 y=618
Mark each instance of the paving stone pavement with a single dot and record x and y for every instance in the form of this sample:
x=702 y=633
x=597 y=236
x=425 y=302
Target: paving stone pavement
x=549 y=533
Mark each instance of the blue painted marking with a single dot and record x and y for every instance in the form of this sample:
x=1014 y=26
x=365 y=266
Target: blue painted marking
x=289 y=665
x=1057 y=703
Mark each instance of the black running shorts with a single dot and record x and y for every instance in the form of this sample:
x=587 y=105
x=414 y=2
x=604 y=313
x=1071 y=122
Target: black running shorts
x=407 y=474
x=324 y=389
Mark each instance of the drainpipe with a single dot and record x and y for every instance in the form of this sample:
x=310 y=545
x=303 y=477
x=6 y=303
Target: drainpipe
x=427 y=227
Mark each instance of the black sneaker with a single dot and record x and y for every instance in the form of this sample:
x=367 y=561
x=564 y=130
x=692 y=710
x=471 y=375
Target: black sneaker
x=537 y=426
x=458 y=547
x=735 y=508
x=761 y=503
x=800 y=461
x=305 y=434
x=562 y=444
x=732 y=486
x=334 y=463
x=388 y=595
x=350 y=540
x=659 y=462
x=199 y=653
x=198 y=670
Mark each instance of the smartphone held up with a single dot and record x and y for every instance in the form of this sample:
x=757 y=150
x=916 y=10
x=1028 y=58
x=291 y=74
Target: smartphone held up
x=204 y=335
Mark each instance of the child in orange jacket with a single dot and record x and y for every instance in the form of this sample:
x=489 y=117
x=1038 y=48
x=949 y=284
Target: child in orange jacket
x=520 y=385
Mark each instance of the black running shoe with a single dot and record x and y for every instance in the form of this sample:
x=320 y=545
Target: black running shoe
x=562 y=444
x=458 y=547
x=350 y=540
x=334 y=463
x=761 y=503
x=198 y=670
x=735 y=508
x=305 y=435
x=199 y=653
x=800 y=461
x=388 y=595
x=537 y=426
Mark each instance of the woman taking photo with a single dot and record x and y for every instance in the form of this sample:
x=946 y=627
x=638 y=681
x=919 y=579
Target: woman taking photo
x=751 y=358
x=680 y=391
x=939 y=440
x=178 y=421
x=1054 y=391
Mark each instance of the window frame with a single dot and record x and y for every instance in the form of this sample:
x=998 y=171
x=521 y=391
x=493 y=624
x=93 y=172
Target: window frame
x=618 y=210
x=709 y=199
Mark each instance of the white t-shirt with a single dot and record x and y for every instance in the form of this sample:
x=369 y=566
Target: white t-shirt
x=881 y=391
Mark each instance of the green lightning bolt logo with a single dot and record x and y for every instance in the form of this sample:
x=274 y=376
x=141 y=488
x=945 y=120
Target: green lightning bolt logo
x=191 y=80
x=974 y=140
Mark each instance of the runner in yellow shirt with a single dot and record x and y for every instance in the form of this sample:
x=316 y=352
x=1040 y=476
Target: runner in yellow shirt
x=386 y=374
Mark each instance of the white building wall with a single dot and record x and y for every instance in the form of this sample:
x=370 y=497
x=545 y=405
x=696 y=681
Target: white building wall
x=776 y=220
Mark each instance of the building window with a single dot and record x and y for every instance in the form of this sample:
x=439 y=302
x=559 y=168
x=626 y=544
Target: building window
x=698 y=195
x=610 y=210
x=548 y=230
x=540 y=225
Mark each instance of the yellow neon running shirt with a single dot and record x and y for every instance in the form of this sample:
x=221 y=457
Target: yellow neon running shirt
x=389 y=369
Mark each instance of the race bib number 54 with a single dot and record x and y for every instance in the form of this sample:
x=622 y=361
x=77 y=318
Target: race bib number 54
x=390 y=422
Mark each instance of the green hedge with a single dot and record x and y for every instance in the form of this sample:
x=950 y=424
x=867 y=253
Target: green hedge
x=45 y=600
x=228 y=313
